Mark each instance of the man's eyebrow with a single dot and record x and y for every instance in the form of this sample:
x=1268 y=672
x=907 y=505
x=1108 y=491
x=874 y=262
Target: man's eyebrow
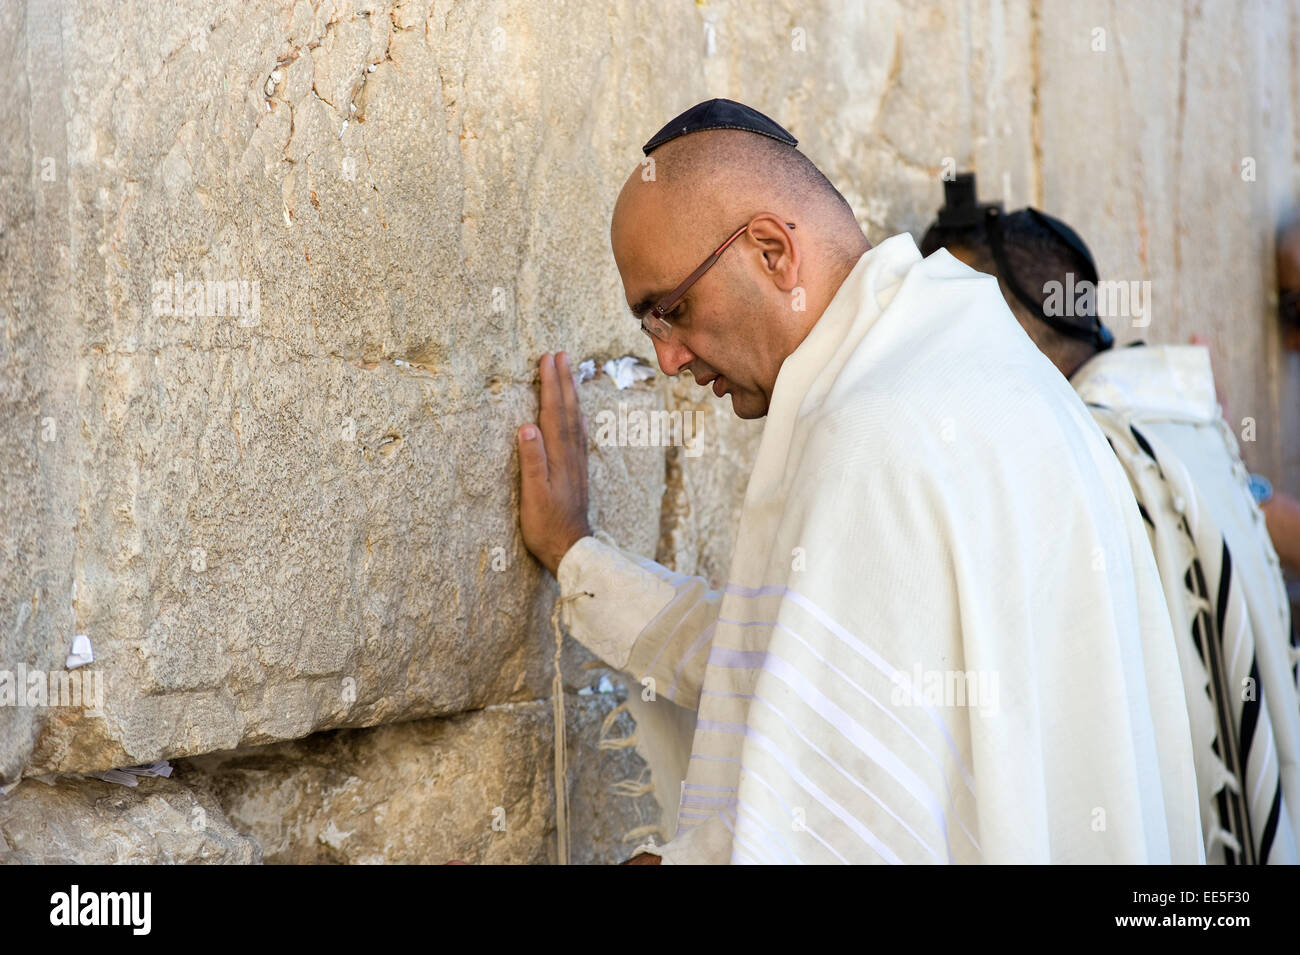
x=647 y=303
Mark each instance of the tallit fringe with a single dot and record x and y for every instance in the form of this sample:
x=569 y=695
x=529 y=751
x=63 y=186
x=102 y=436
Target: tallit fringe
x=1224 y=836
x=643 y=835
x=615 y=742
x=561 y=750
x=626 y=788
x=1225 y=780
x=1134 y=460
x=630 y=788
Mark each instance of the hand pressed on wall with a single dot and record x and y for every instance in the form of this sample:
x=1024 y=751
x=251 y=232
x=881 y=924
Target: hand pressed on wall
x=553 y=467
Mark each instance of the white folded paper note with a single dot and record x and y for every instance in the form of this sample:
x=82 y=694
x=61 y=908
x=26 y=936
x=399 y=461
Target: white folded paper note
x=81 y=653
x=627 y=371
x=129 y=775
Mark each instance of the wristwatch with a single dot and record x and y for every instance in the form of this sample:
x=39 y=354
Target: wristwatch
x=1261 y=488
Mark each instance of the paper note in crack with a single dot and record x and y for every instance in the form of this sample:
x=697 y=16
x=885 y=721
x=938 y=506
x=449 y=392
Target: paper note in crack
x=627 y=371
x=129 y=775
x=81 y=653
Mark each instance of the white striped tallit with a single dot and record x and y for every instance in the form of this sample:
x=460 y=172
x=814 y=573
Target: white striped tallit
x=1227 y=600
x=929 y=499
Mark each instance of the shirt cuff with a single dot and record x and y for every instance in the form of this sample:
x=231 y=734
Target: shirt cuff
x=708 y=843
x=621 y=596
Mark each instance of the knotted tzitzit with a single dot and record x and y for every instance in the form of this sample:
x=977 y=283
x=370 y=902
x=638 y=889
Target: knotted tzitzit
x=1241 y=770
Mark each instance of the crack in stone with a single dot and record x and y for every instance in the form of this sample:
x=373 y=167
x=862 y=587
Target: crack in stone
x=670 y=510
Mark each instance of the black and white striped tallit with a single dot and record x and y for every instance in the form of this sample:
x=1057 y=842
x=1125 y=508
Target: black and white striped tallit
x=1156 y=408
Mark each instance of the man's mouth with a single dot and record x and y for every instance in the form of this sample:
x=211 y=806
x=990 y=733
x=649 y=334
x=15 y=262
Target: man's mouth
x=719 y=384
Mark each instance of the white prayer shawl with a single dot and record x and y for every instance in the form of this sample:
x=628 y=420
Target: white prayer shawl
x=929 y=499
x=1224 y=588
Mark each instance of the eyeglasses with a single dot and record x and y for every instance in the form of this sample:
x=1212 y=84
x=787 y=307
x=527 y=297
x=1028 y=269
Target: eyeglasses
x=653 y=323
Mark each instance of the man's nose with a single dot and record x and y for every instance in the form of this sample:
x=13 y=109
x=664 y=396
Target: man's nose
x=673 y=356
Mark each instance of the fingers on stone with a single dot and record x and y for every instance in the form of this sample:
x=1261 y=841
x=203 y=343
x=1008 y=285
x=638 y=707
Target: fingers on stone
x=549 y=409
x=532 y=455
x=569 y=392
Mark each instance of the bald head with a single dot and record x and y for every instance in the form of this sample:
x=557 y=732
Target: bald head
x=741 y=320
x=725 y=175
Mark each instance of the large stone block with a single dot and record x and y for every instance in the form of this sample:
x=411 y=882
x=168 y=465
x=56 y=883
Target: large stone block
x=39 y=362
x=85 y=821
x=395 y=585
x=476 y=787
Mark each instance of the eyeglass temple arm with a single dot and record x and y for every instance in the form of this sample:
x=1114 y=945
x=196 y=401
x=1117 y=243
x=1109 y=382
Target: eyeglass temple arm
x=663 y=308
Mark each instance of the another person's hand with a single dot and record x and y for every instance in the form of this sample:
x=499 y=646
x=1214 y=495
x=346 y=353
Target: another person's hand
x=1282 y=518
x=553 y=467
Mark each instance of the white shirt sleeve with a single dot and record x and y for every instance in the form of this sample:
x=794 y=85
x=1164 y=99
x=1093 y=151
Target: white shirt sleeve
x=704 y=844
x=639 y=617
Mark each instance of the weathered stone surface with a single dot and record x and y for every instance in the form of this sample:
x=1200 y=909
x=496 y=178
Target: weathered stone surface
x=39 y=361
x=90 y=822
x=704 y=491
x=400 y=611
x=1172 y=150
x=432 y=790
x=277 y=523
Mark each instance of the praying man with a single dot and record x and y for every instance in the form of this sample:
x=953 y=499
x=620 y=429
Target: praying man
x=929 y=499
x=1207 y=518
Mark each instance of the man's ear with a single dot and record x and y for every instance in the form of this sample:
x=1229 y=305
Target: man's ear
x=779 y=248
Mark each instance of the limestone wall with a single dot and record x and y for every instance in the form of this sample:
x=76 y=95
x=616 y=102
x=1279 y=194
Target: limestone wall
x=302 y=517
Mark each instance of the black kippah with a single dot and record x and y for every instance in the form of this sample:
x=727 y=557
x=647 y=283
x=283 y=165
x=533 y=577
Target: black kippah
x=718 y=114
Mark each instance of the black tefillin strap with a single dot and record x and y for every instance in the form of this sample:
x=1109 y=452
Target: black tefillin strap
x=1097 y=335
x=1288 y=306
